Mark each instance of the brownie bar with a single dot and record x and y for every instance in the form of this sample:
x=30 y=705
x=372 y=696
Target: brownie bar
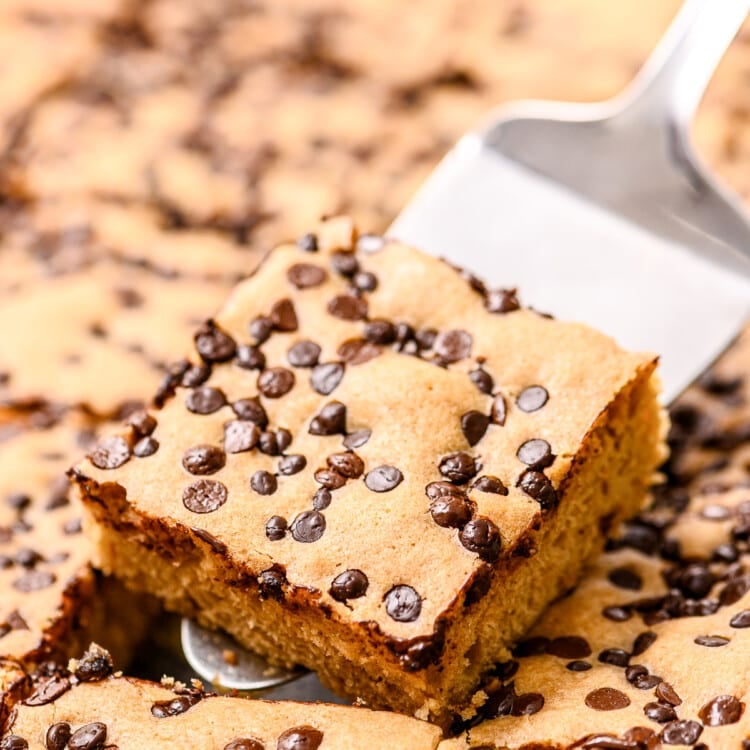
x=379 y=469
x=89 y=707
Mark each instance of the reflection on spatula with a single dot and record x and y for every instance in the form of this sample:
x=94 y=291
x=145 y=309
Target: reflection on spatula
x=600 y=213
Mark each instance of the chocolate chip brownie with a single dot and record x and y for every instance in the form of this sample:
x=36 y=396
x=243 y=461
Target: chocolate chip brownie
x=360 y=416
x=51 y=601
x=87 y=707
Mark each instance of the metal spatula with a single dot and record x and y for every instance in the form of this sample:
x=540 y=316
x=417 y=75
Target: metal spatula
x=599 y=213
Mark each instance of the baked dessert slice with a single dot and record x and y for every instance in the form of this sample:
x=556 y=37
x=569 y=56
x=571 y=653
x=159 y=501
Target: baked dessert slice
x=89 y=707
x=376 y=468
x=51 y=600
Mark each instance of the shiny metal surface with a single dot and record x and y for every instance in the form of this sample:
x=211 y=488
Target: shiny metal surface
x=600 y=213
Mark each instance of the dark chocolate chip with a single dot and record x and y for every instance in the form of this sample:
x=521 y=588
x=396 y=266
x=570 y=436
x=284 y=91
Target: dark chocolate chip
x=292 y=464
x=110 y=453
x=306 y=275
x=146 y=447
x=741 y=619
x=667 y=694
x=204 y=496
x=711 y=641
x=240 y=435
x=300 y=738
x=357 y=438
x=474 y=424
x=348 y=307
x=263 y=482
x=643 y=641
x=538 y=486
x=481 y=536
x=196 y=375
x=276 y=528
x=244 y=743
x=383 y=478
x=308 y=243
x=142 y=423
x=535 y=453
x=681 y=732
x=616 y=656
x=18 y=501
x=57 y=736
x=499 y=411
x=501 y=301
x=251 y=410
x=578 y=666
x=34 y=580
x=321 y=499
x=527 y=704
x=345 y=263
x=482 y=380
x=216 y=544
x=250 y=357
x=425 y=338
x=214 y=344
x=490 y=484
x=13 y=742
x=308 y=526
x=625 y=579
x=48 y=691
x=569 y=647
x=351 y=584
x=329 y=479
x=458 y=467
x=365 y=281
x=275 y=382
x=325 y=377
x=331 y=420
x=260 y=329
x=722 y=710
x=403 y=603
x=452 y=346
x=205 y=400
x=451 y=511
x=533 y=646
x=349 y=465
x=27 y=558
x=283 y=316
x=203 y=459
x=358 y=351
x=607 y=699
x=532 y=398
x=271 y=583
x=380 y=332
x=175 y=706
x=303 y=354
x=659 y=713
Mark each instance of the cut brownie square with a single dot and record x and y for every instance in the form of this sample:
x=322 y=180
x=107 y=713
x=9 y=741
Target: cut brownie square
x=376 y=468
x=51 y=600
x=89 y=707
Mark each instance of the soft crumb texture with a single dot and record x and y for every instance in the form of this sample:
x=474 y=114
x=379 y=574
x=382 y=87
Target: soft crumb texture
x=91 y=707
x=660 y=621
x=358 y=420
x=51 y=601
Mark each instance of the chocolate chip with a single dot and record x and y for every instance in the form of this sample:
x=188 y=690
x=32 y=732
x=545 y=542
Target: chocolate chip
x=203 y=459
x=324 y=378
x=625 y=579
x=331 y=420
x=345 y=263
x=383 y=478
x=251 y=410
x=276 y=528
x=283 y=316
x=403 y=603
x=264 y=483
x=667 y=694
x=271 y=583
x=643 y=642
x=34 y=580
x=569 y=647
x=283 y=438
x=351 y=584
x=110 y=453
x=722 y=710
x=240 y=435
x=481 y=536
x=146 y=447
x=380 y=332
x=451 y=511
x=365 y=281
x=329 y=479
x=358 y=351
x=357 y=439
x=348 y=307
x=615 y=656
x=292 y=464
x=695 y=580
x=57 y=736
x=48 y=691
x=711 y=641
x=196 y=375
x=607 y=699
x=533 y=646
x=349 y=465
x=95 y=665
x=275 y=382
x=452 y=346
x=214 y=344
x=260 y=329
x=306 y=275
x=474 y=424
x=405 y=336
x=89 y=737
x=741 y=619
x=303 y=354
x=659 y=713
x=681 y=732
x=308 y=243
x=300 y=738
x=578 y=666
x=532 y=398
x=499 y=411
x=204 y=496
x=490 y=484
x=72 y=526
x=175 y=706
x=458 y=467
x=205 y=400
x=536 y=485
x=250 y=357
x=27 y=558
x=535 y=453
x=483 y=381
x=308 y=526
x=142 y=423
x=321 y=499
x=244 y=743
x=501 y=301
x=18 y=501
x=527 y=704
x=425 y=338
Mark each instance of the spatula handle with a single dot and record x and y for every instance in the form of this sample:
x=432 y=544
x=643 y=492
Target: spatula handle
x=672 y=82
